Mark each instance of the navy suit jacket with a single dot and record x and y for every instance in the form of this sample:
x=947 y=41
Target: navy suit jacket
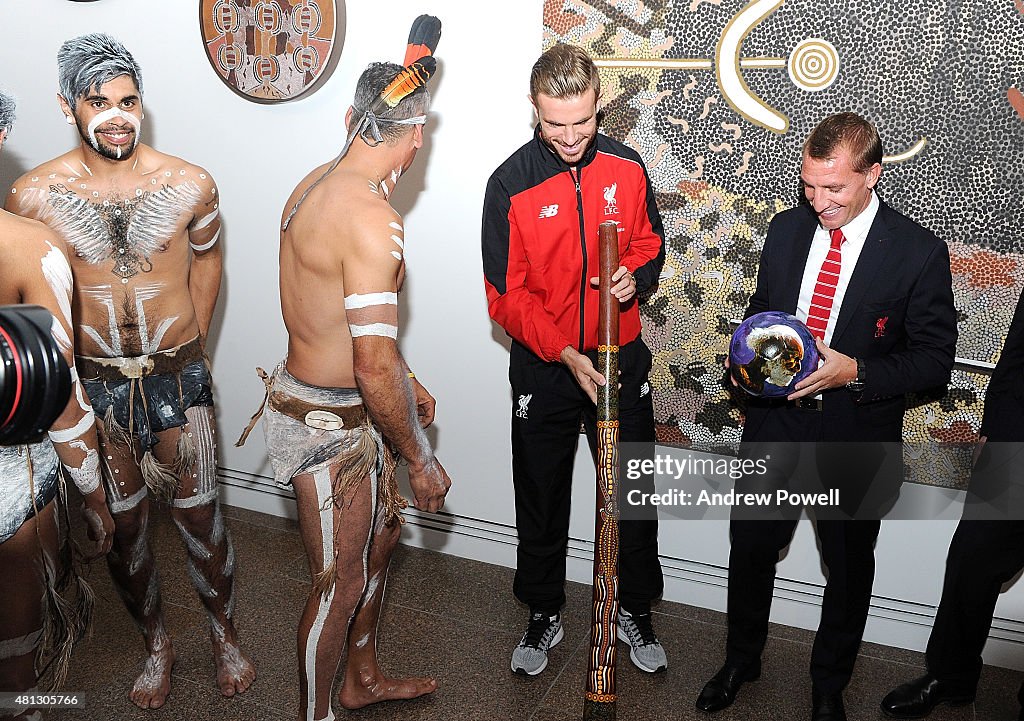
x=897 y=315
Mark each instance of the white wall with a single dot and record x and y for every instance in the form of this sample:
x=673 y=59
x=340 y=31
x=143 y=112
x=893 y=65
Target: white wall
x=480 y=115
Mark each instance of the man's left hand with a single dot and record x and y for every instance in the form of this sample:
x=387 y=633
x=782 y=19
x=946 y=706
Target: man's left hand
x=835 y=371
x=424 y=403
x=623 y=284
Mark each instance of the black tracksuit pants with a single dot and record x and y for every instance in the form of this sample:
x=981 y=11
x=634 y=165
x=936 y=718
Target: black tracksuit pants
x=547 y=408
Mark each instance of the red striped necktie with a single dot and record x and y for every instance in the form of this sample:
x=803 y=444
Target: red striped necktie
x=825 y=287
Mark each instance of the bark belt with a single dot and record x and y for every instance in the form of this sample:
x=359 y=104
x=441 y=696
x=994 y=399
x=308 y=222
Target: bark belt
x=172 y=360
x=328 y=418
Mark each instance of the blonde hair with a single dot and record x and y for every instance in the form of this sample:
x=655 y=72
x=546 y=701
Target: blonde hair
x=564 y=71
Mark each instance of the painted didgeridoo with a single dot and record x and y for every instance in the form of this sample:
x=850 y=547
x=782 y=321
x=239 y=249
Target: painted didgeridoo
x=599 y=702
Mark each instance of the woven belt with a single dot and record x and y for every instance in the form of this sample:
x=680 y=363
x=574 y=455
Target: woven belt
x=173 y=360
x=326 y=418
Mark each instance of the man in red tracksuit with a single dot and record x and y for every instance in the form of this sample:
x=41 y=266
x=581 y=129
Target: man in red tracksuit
x=541 y=214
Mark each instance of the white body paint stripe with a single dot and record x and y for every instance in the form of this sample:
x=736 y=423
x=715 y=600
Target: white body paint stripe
x=14 y=647
x=325 y=502
x=87 y=422
x=206 y=220
x=362 y=300
x=398 y=256
x=200 y=499
x=58 y=276
x=126 y=504
x=208 y=245
x=381 y=329
x=396 y=226
x=398 y=241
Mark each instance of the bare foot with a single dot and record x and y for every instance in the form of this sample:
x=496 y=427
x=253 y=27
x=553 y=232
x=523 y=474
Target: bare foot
x=235 y=672
x=374 y=687
x=154 y=683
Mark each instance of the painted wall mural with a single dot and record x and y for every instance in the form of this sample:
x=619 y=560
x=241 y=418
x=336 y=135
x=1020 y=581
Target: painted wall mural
x=718 y=96
x=271 y=51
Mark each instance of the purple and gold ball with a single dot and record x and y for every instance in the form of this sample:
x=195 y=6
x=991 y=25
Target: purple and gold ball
x=770 y=353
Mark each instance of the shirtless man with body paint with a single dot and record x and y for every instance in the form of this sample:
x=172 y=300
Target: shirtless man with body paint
x=345 y=393
x=35 y=271
x=141 y=230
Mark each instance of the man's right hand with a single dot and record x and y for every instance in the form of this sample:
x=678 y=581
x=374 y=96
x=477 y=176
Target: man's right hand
x=583 y=371
x=99 y=523
x=430 y=484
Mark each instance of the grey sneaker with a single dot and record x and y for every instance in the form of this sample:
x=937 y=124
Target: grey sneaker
x=530 y=657
x=645 y=650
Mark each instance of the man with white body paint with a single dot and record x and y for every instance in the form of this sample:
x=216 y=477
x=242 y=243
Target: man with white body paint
x=35 y=271
x=141 y=230
x=343 y=386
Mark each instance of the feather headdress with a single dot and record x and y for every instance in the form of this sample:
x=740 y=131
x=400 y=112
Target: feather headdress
x=418 y=67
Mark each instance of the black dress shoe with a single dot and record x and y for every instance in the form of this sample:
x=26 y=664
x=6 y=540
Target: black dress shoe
x=827 y=706
x=721 y=690
x=917 y=698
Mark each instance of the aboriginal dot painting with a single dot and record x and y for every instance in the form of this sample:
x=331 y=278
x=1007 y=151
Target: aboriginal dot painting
x=270 y=51
x=717 y=96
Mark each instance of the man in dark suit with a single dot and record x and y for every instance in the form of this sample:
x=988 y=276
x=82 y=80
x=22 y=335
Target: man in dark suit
x=984 y=554
x=875 y=289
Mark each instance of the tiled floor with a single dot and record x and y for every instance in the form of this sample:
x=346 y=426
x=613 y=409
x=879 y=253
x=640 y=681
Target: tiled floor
x=456 y=620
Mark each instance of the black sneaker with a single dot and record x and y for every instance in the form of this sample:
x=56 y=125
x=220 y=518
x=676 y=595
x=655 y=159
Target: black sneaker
x=530 y=657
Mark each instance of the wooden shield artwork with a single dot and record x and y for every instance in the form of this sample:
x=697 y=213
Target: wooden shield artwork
x=272 y=51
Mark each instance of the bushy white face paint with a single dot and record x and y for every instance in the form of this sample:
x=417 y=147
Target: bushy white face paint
x=109 y=114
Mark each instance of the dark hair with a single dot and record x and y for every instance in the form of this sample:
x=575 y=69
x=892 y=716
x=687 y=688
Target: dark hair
x=845 y=130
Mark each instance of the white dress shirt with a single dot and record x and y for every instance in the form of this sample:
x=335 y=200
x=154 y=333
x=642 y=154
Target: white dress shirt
x=855 y=232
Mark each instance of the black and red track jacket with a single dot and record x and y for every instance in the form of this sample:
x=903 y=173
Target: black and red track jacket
x=540 y=242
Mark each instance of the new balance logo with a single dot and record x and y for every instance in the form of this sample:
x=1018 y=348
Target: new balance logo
x=645 y=389
x=524 y=403
x=549 y=211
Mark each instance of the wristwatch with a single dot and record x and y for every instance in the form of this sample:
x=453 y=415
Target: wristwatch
x=857 y=384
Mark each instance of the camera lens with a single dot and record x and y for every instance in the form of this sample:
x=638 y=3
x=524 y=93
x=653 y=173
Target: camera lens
x=35 y=382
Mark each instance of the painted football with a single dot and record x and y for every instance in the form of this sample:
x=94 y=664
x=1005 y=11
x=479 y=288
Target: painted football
x=770 y=353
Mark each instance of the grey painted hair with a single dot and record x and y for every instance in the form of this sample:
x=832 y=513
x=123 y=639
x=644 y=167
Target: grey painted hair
x=7 y=106
x=89 y=61
x=371 y=84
